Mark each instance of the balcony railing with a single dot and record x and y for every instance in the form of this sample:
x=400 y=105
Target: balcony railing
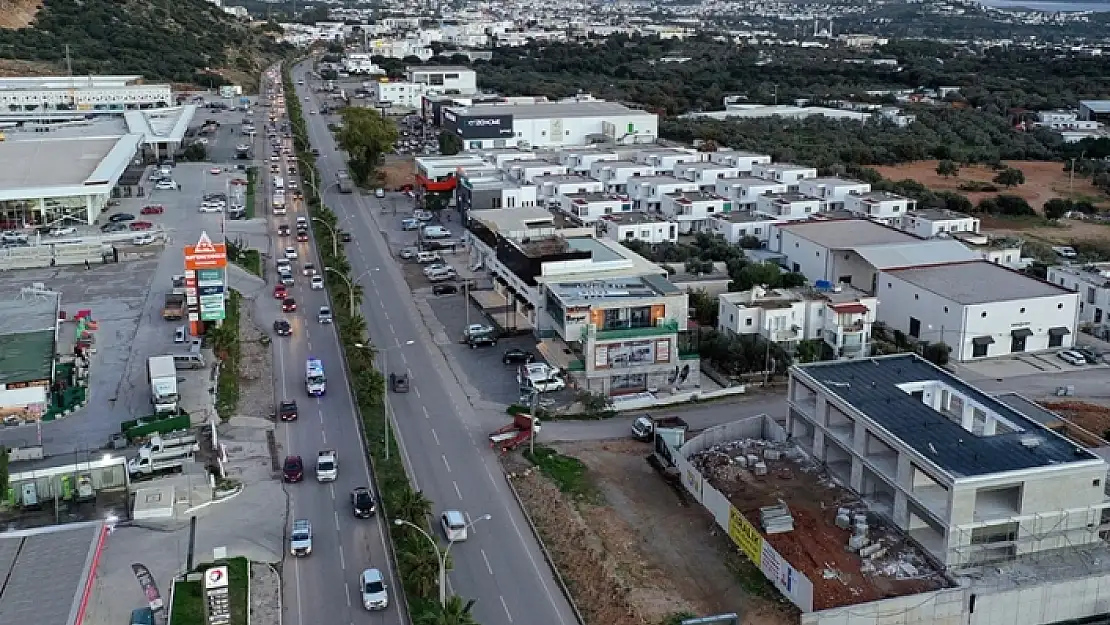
x=618 y=331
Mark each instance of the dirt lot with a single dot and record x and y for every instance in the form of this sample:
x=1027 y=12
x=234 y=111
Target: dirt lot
x=397 y=171
x=1091 y=417
x=632 y=554
x=1044 y=180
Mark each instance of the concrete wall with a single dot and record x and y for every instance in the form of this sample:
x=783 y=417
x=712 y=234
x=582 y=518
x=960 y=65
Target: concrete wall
x=49 y=255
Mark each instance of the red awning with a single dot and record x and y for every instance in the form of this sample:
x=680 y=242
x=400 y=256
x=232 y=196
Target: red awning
x=437 y=185
x=854 y=308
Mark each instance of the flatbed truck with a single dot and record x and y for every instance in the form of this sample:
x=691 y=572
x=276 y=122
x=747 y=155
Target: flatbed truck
x=515 y=434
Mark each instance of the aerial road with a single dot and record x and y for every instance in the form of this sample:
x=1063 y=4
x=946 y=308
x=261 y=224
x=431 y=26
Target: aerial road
x=324 y=584
x=447 y=453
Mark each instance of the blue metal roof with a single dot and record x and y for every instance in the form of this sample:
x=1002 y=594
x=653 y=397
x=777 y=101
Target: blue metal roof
x=871 y=386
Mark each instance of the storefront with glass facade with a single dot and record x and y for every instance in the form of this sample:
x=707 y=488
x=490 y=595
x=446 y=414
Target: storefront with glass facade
x=56 y=211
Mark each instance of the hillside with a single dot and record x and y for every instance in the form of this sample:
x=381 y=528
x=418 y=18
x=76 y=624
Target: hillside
x=181 y=41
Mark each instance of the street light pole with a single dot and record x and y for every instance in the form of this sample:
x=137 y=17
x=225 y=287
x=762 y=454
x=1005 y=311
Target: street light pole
x=334 y=239
x=441 y=555
x=385 y=374
x=350 y=291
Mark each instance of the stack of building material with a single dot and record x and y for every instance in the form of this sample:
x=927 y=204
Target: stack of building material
x=776 y=519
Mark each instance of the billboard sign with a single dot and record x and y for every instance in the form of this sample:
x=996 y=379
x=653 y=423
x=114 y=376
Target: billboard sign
x=205 y=254
x=485 y=126
x=632 y=353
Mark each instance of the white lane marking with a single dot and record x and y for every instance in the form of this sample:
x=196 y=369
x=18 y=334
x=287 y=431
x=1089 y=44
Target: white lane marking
x=381 y=303
x=324 y=435
x=343 y=560
x=457 y=491
x=486 y=560
x=386 y=315
x=391 y=330
x=347 y=589
x=297 y=583
x=331 y=489
x=435 y=436
x=444 y=456
x=336 y=513
x=404 y=359
x=506 y=606
x=426 y=416
x=417 y=391
x=309 y=344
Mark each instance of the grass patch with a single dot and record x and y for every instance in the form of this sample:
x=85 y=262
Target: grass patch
x=188 y=597
x=569 y=474
x=251 y=260
x=252 y=183
x=225 y=342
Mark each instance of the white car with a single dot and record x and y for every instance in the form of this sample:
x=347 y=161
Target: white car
x=454 y=525
x=379 y=193
x=317 y=283
x=1072 y=357
x=215 y=171
x=210 y=208
x=291 y=253
x=63 y=232
x=373 y=589
x=308 y=269
x=302 y=220
x=143 y=239
x=166 y=185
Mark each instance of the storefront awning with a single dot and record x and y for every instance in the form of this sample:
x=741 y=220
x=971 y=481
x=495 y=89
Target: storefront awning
x=1021 y=333
x=983 y=340
x=1059 y=331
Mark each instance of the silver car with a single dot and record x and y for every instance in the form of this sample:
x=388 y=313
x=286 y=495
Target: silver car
x=374 y=593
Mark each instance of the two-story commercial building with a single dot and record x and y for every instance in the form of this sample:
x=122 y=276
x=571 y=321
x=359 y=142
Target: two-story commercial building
x=636 y=226
x=786 y=173
x=1092 y=283
x=931 y=222
x=587 y=208
x=705 y=175
x=692 y=210
x=787 y=206
x=498 y=191
x=664 y=160
x=831 y=191
x=550 y=187
x=978 y=308
x=745 y=191
x=841 y=318
x=615 y=175
x=883 y=206
x=581 y=161
x=647 y=192
x=527 y=170
x=736 y=225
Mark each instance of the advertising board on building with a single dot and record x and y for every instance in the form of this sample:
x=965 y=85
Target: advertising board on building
x=632 y=353
x=484 y=126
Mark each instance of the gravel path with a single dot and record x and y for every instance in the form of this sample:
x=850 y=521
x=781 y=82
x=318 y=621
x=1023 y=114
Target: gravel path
x=265 y=595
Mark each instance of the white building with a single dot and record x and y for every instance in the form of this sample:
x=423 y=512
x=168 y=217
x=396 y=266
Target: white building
x=998 y=250
x=1064 y=120
x=80 y=93
x=401 y=94
x=743 y=161
x=931 y=222
x=527 y=170
x=445 y=79
x=831 y=191
x=646 y=192
x=1092 y=283
x=475 y=193
x=736 y=225
x=616 y=174
x=581 y=161
x=746 y=190
x=550 y=187
x=971 y=479
x=693 y=209
x=786 y=173
x=549 y=124
x=646 y=227
x=787 y=206
x=842 y=318
x=888 y=208
x=360 y=64
x=587 y=208
x=978 y=308
x=705 y=175
x=664 y=160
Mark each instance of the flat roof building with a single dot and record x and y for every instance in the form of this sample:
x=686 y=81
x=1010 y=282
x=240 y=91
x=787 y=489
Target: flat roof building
x=549 y=124
x=46 y=572
x=80 y=93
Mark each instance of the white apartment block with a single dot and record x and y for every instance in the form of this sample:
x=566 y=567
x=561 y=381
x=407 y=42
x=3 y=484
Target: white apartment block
x=787 y=206
x=616 y=174
x=1000 y=251
x=978 y=308
x=664 y=160
x=400 y=48
x=587 y=208
x=888 y=208
x=831 y=191
x=582 y=161
x=527 y=170
x=743 y=161
x=736 y=225
x=1092 y=283
x=358 y=63
x=705 y=175
x=786 y=173
x=932 y=222
x=841 y=318
x=84 y=93
x=646 y=192
x=400 y=94
x=447 y=79
x=971 y=479
x=550 y=187
x=693 y=209
x=746 y=190
x=635 y=226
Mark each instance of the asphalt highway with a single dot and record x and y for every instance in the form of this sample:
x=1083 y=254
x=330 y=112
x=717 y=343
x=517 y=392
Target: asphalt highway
x=323 y=586
x=443 y=446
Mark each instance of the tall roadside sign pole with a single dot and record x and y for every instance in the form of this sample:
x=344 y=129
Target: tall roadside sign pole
x=205 y=282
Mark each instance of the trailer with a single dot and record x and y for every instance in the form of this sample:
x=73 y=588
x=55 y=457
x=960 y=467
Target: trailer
x=515 y=434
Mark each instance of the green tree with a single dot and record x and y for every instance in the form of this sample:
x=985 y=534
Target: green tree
x=1010 y=177
x=411 y=505
x=1057 y=208
x=937 y=353
x=421 y=565
x=753 y=274
x=366 y=136
x=706 y=308
x=454 y=612
x=947 y=168
x=449 y=143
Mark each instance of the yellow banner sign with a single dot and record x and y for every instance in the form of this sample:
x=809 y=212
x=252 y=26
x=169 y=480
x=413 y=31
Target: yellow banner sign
x=744 y=534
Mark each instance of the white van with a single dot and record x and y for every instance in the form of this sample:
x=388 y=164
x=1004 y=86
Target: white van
x=188 y=361
x=427 y=257
x=436 y=232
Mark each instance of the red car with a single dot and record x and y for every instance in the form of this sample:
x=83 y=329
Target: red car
x=280 y=292
x=238 y=181
x=140 y=225
x=288 y=305
x=153 y=209
x=302 y=236
x=292 y=470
